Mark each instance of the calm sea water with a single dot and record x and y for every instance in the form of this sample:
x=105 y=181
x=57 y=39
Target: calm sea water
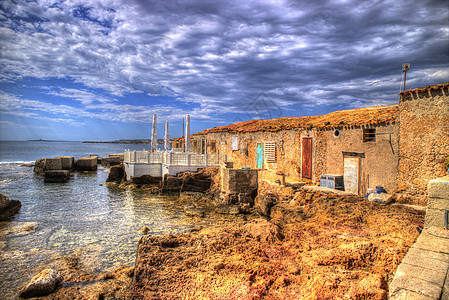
x=80 y=214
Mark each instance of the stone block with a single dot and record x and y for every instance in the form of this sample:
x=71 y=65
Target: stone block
x=430 y=242
x=86 y=163
x=408 y=295
x=67 y=162
x=239 y=180
x=416 y=285
x=434 y=217
x=441 y=258
x=438 y=203
x=54 y=163
x=110 y=161
x=120 y=156
x=380 y=198
x=426 y=259
x=52 y=176
x=436 y=276
x=39 y=166
x=445 y=294
x=439 y=188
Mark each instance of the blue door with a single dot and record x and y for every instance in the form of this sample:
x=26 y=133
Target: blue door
x=259 y=156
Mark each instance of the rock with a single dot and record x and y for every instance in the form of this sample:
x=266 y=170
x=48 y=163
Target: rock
x=284 y=213
x=171 y=184
x=194 y=181
x=39 y=166
x=382 y=198
x=146 y=180
x=232 y=209
x=196 y=228
x=8 y=208
x=53 y=176
x=20 y=229
x=193 y=211
x=111 y=161
x=42 y=284
x=86 y=163
x=264 y=203
x=144 y=230
x=116 y=174
x=263 y=230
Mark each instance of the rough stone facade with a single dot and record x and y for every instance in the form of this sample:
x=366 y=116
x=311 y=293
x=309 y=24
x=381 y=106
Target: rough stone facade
x=378 y=159
x=401 y=147
x=424 y=138
x=378 y=162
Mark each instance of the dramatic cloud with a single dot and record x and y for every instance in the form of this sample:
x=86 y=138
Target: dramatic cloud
x=220 y=61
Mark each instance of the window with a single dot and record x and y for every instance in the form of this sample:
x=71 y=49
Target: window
x=270 y=151
x=369 y=135
x=212 y=147
x=336 y=133
x=235 y=143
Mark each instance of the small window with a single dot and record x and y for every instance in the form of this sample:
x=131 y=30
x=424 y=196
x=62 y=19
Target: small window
x=336 y=133
x=270 y=151
x=369 y=135
x=235 y=143
x=212 y=147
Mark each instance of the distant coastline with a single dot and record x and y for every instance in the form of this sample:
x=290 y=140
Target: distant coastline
x=123 y=141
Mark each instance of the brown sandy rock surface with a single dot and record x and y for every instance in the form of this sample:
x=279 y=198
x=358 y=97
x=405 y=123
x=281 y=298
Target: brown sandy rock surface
x=332 y=247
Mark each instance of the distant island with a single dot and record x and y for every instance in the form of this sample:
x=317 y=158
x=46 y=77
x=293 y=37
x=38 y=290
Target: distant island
x=126 y=141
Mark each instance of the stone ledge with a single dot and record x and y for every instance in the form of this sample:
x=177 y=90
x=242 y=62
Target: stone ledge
x=436 y=276
x=430 y=242
x=434 y=217
x=409 y=295
x=438 y=203
x=439 y=188
x=415 y=285
x=420 y=258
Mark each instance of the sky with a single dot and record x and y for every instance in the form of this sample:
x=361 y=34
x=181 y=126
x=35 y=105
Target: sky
x=100 y=69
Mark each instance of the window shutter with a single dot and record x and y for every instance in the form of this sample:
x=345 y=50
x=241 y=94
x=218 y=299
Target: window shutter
x=270 y=151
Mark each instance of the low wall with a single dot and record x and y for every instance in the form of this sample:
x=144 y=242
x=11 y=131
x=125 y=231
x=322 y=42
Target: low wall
x=424 y=271
x=235 y=181
x=137 y=170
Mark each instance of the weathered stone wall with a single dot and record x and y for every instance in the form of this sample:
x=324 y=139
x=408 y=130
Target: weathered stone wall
x=288 y=150
x=239 y=180
x=424 y=138
x=379 y=159
x=379 y=162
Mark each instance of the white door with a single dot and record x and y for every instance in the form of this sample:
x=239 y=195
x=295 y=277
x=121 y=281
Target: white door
x=352 y=174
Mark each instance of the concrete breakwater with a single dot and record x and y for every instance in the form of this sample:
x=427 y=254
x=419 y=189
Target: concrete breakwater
x=58 y=169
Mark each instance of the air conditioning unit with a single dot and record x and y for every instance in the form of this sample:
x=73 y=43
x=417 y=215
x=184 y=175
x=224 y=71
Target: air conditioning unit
x=332 y=181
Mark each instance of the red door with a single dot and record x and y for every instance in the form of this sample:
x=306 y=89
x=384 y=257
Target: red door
x=306 y=158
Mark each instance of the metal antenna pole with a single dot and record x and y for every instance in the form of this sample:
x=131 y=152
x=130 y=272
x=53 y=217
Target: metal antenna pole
x=405 y=76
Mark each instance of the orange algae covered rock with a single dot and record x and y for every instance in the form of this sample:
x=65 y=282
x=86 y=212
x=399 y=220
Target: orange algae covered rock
x=332 y=247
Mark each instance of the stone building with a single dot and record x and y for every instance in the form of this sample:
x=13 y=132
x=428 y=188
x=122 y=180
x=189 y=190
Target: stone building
x=361 y=144
x=424 y=138
x=400 y=147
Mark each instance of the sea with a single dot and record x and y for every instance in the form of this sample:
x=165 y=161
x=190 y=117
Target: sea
x=81 y=215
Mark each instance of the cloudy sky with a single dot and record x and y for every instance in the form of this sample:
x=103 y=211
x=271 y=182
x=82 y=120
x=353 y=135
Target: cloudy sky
x=99 y=69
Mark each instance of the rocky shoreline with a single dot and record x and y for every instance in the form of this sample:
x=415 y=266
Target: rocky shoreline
x=283 y=242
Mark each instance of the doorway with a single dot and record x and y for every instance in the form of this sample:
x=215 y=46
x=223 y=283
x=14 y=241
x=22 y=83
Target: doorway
x=352 y=174
x=306 y=170
x=259 y=156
